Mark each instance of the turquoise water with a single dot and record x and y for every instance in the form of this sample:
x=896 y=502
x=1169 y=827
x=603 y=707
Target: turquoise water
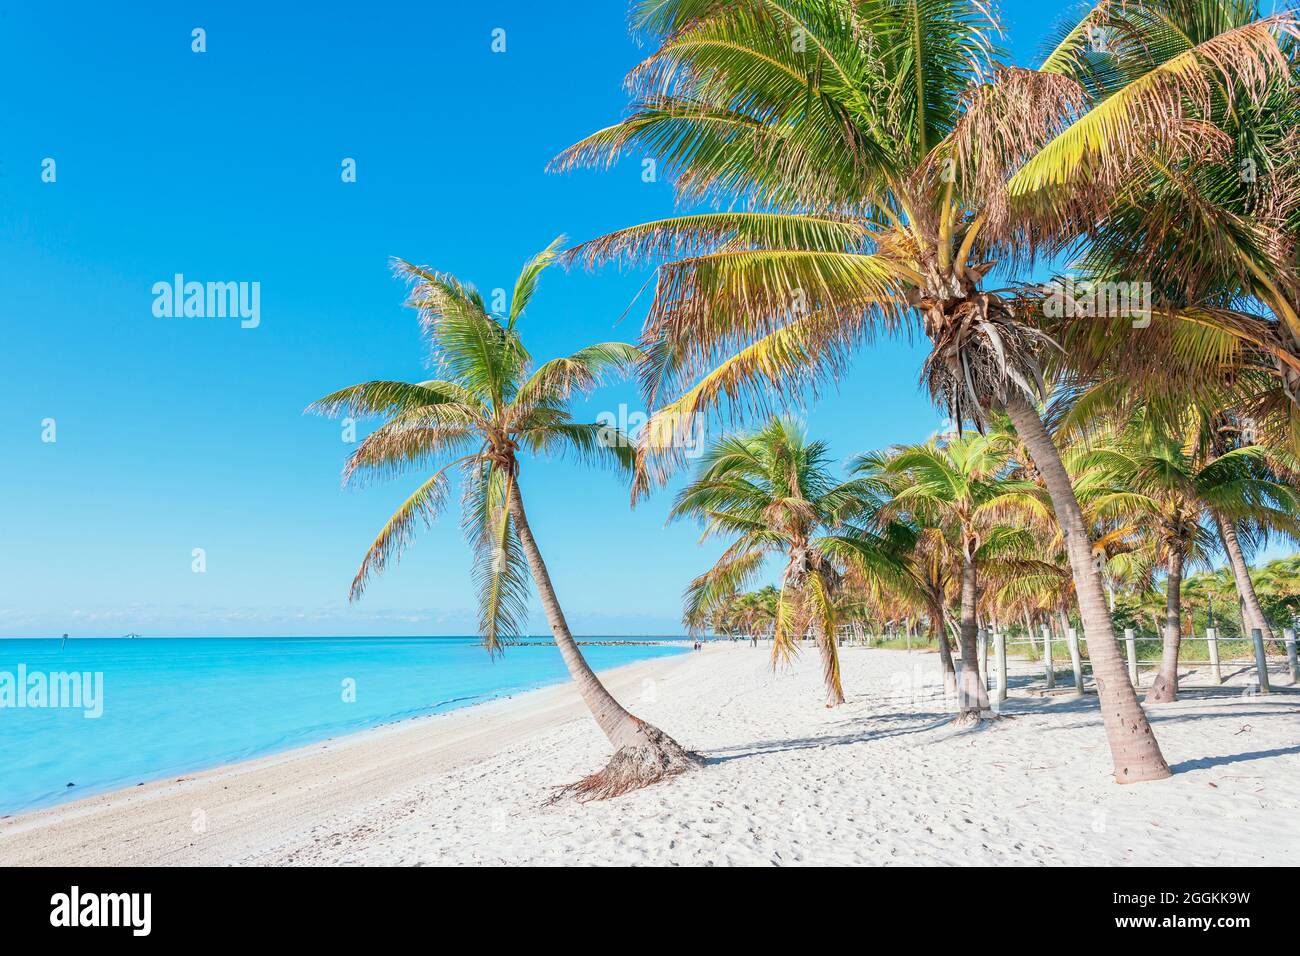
x=172 y=706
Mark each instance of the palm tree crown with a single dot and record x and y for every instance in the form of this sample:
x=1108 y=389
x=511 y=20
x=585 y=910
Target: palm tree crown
x=494 y=405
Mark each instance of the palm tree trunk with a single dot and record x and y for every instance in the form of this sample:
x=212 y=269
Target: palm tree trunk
x=1254 y=613
x=643 y=754
x=1165 y=688
x=1063 y=619
x=945 y=650
x=971 y=696
x=1134 y=751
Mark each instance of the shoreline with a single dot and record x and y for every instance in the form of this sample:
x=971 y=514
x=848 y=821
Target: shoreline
x=884 y=779
x=30 y=837
x=313 y=728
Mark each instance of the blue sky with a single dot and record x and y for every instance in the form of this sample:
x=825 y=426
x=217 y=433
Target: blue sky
x=183 y=433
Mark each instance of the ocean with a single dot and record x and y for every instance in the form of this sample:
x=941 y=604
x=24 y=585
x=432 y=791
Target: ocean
x=150 y=708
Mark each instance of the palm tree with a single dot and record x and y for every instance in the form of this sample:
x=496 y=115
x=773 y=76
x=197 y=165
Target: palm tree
x=1218 y=240
x=890 y=162
x=771 y=492
x=963 y=490
x=929 y=560
x=1274 y=512
x=494 y=407
x=1160 y=484
x=755 y=611
x=1278 y=586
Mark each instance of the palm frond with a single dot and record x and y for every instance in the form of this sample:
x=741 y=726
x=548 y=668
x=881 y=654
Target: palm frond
x=526 y=284
x=424 y=504
x=501 y=576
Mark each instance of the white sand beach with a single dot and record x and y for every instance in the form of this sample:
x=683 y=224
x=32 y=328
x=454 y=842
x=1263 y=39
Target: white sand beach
x=884 y=779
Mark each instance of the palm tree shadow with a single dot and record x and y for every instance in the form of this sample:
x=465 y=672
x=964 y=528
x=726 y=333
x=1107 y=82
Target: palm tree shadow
x=1202 y=763
x=758 y=748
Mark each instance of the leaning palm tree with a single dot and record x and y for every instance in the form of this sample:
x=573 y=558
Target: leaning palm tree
x=891 y=162
x=771 y=492
x=494 y=407
x=963 y=489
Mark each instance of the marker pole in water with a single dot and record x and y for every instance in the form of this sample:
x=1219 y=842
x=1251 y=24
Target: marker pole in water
x=1131 y=649
x=1261 y=662
x=1075 y=660
x=1289 y=634
x=1049 y=667
x=1212 y=640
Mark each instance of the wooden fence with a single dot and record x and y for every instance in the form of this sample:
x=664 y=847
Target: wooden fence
x=856 y=635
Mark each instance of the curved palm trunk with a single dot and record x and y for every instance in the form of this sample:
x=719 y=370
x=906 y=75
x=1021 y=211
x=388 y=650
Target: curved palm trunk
x=830 y=662
x=643 y=754
x=945 y=650
x=1133 y=747
x=1252 y=611
x=1165 y=688
x=971 y=696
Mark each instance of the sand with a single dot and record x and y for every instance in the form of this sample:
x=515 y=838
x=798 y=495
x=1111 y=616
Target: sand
x=884 y=779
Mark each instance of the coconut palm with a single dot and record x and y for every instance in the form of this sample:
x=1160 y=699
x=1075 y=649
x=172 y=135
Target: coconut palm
x=493 y=408
x=890 y=163
x=1276 y=514
x=1219 y=239
x=1165 y=487
x=1278 y=586
x=741 y=613
x=771 y=493
x=929 y=560
x=756 y=610
x=961 y=489
x=1208 y=430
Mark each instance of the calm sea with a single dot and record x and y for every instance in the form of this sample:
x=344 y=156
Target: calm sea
x=171 y=706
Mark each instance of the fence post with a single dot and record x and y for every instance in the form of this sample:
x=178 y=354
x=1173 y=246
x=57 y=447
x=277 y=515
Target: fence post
x=1212 y=640
x=1131 y=648
x=1289 y=634
x=1261 y=662
x=1000 y=652
x=984 y=656
x=1072 y=638
x=1049 y=668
